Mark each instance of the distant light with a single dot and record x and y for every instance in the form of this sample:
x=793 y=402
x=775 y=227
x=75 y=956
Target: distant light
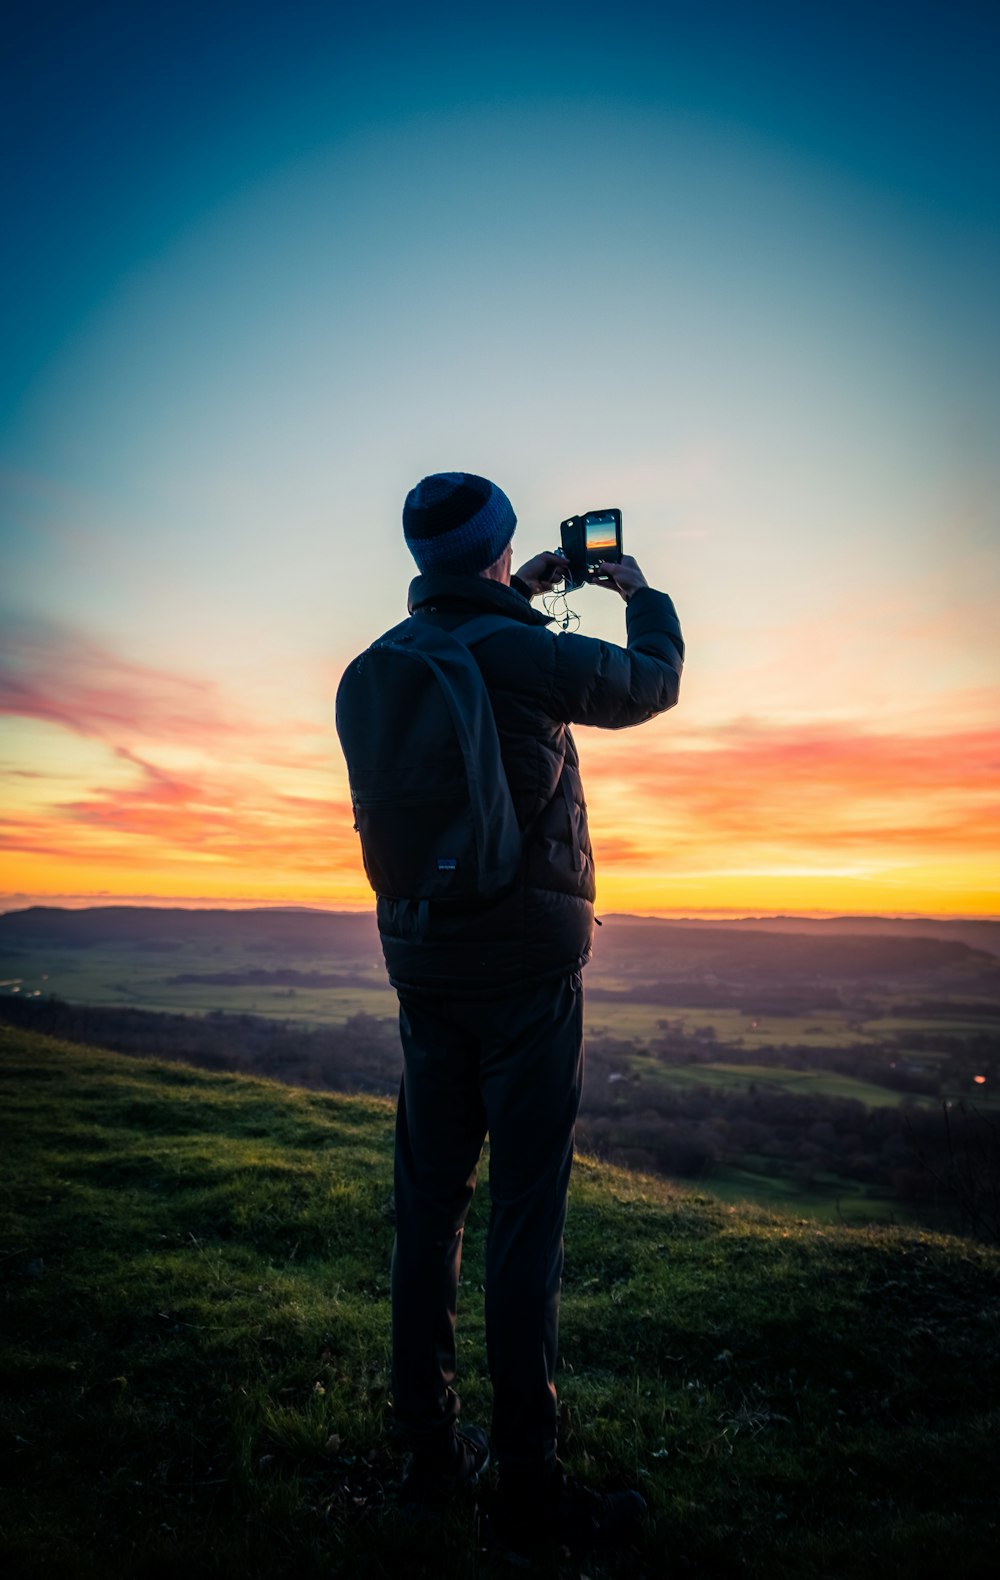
x=980 y=1080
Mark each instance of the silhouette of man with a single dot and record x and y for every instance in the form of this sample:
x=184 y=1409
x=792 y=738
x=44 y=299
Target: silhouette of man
x=491 y=1020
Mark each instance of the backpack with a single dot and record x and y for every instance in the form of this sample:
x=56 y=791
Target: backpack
x=430 y=795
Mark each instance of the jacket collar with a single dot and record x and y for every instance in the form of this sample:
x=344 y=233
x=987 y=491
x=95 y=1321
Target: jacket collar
x=445 y=587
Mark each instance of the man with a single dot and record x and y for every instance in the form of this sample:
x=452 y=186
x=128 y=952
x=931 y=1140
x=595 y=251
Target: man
x=491 y=1020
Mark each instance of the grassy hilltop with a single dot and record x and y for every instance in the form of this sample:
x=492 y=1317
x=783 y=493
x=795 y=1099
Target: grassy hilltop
x=196 y=1349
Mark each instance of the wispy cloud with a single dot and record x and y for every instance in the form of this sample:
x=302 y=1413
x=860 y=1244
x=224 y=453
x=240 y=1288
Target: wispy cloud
x=165 y=819
x=233 y=818
x=753 y=785
x=62 y=677
x=228 y=803
x=163 y=774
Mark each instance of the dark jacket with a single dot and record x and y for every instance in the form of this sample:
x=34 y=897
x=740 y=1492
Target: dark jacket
x=539 y=683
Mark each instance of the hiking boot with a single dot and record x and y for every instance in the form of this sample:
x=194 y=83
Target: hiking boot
x=558 y=1512
x=432 y=1477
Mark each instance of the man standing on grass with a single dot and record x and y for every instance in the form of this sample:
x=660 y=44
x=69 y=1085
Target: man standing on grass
x=491 y=1020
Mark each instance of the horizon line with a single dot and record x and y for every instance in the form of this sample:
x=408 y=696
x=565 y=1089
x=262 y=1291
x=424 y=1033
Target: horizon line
x=15 y=904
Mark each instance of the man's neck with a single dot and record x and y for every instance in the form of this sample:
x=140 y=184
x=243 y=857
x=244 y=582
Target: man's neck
x=499 y=571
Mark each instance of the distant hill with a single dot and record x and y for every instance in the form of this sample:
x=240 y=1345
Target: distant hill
x=297 y=931
x=195 y=1365
x=852 y=947
x=980 y=934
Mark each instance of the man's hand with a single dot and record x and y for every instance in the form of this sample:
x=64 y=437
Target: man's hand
x=543 y=573
x=625 y=577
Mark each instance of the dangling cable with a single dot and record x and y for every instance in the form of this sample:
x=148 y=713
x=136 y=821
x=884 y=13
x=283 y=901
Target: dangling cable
x=557 y=608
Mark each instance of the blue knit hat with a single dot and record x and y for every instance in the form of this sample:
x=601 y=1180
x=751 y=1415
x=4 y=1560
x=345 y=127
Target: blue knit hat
x=456 y=521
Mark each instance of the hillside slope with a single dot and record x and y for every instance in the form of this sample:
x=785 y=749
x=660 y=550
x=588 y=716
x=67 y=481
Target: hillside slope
x=195 y=1363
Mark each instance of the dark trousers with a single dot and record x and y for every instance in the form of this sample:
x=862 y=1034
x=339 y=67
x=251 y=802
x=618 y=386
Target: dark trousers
x=511 y=1067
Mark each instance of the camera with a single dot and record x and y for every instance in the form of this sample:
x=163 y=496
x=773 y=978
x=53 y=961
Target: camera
x=586 y=541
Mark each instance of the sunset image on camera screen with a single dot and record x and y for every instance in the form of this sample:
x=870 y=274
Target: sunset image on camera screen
x=601 y=535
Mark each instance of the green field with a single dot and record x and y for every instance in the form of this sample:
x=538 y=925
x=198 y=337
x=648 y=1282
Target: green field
x=830 y=1199
x=963 y=1023
x=643 y=1020
x=739 y=1077
x=127 y=977
x=819 y=1029
x=195 y=1362
x=140 y=978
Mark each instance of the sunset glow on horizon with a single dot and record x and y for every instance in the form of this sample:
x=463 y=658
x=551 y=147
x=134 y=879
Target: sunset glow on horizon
x=732 y=280
x=150 y=785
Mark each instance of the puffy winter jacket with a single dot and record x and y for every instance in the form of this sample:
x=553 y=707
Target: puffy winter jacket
x=539 y=683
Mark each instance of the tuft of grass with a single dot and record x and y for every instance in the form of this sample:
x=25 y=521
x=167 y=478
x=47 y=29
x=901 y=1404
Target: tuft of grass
x=195 y=1360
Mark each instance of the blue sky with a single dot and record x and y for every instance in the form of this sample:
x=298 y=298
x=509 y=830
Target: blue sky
x=732 y=270
x=124 y=124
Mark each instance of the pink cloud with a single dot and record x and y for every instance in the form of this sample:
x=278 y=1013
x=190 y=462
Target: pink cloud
x=229 y=800
x=60 y=677
x=832 y=786
x=235 y=819
x=728 y=793
x=168 y=817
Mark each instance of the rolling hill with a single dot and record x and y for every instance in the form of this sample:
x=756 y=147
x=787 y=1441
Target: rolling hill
x=195 y=1361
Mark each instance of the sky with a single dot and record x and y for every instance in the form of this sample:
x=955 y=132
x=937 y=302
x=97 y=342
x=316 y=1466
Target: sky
x=730 y=268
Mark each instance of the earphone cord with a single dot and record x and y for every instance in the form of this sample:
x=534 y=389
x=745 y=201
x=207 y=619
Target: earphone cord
x=557 y=608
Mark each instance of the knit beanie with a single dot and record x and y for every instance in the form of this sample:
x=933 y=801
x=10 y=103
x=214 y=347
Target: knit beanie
x=456 y=521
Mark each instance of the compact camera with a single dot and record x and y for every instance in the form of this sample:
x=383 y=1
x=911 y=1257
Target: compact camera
x=586 y=541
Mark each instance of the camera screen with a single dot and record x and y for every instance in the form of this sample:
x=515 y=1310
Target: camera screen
x=601 y=532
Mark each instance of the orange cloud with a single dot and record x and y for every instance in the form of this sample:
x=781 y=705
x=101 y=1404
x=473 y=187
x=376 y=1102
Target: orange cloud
x=229 y=806
x=799 y=796
x=186 y=792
